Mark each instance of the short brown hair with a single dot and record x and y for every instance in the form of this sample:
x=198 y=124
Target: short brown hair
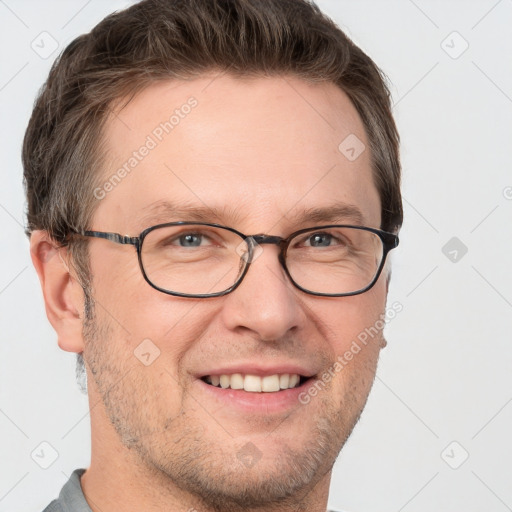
x=173 y=39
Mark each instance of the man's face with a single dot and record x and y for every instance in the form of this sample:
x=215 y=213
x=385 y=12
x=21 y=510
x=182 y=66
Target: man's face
x=256 y=155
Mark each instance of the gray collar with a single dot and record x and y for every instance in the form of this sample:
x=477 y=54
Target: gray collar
x=71 y=497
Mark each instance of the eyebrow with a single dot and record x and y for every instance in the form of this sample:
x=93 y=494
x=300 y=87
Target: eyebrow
x=338 y=212
x=165 y=211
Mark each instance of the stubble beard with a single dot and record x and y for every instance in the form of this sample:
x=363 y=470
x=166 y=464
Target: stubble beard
x=175 y=455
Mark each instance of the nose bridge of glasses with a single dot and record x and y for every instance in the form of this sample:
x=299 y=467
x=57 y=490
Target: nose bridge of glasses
x=259 y=240
x=266 y=239
x=255 y=242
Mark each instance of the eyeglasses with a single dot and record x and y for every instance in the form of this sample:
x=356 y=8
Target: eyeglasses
x=200 y=260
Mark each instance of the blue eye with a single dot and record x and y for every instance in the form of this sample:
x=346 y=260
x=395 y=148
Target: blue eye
x=320 y=240
x=190 y=240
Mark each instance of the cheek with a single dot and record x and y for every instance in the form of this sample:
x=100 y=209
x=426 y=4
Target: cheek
x=121 y=290
x=350 y=319
x=146 y=320
x=353 y=328
x=116 y=272
x=357 y=354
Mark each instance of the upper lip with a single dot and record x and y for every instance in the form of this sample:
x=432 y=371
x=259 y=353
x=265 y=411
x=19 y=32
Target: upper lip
x=258 y=369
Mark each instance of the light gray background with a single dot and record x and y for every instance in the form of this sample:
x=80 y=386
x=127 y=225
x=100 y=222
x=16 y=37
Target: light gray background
x=446 y=373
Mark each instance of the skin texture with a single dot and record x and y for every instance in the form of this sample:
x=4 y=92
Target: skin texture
x=256 y=153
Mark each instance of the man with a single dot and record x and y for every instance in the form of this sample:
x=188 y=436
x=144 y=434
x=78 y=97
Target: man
x=213 y=187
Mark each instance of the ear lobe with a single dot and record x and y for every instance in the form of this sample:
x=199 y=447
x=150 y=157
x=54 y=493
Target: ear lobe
x=63 y=295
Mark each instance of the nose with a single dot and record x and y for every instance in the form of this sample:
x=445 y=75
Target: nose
x=265 y=303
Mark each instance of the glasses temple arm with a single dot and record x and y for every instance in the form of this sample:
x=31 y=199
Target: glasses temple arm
x=113 y=237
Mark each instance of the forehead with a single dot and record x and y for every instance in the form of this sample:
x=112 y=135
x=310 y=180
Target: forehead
x=255 y=151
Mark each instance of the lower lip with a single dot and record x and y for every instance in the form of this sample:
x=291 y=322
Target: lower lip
x=264 y=403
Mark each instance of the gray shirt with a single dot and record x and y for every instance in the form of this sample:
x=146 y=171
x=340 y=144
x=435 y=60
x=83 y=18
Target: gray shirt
x=71 y=497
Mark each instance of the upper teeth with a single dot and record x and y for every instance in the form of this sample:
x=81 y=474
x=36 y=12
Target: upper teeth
x=255 y=383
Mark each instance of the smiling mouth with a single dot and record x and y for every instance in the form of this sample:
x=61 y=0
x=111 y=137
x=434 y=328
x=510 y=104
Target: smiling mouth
x=256 y=383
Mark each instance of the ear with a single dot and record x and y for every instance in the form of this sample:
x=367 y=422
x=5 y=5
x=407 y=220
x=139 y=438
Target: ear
x=63 y=294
